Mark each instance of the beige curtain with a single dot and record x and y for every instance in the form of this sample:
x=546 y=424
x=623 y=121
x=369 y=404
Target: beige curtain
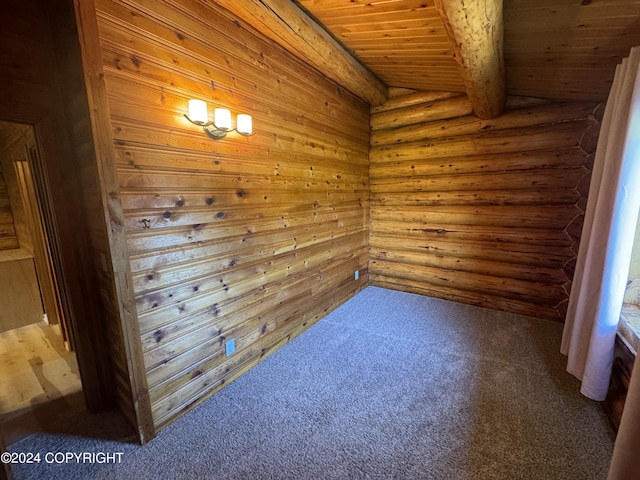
x=603 y=261
x=625 y=464
x=607 y=236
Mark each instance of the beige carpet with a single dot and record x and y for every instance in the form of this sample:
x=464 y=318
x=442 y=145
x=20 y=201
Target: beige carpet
x=390 y=385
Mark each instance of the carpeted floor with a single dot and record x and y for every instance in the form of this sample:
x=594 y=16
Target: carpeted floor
x=389 y=385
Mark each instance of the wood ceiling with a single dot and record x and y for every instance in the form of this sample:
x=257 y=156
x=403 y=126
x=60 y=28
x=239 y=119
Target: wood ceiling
x=560 y=49
x=404 y=42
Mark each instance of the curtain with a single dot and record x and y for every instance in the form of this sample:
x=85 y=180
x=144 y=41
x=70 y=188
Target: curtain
x=624 y=463
x=607 y=237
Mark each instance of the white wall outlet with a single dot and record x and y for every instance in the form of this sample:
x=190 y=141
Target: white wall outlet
x=357 y=274
x=230 y=346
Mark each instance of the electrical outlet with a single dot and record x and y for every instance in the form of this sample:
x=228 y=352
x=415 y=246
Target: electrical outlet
x=230 y=346
x=357 y=274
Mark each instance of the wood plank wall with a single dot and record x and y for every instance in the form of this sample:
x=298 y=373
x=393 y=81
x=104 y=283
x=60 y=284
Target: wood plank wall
x=13 y=140
x=248 y=238
x=567 y=49
x=81 y=137
x=20 y=297
x=33 y=94
x=484 y=212
x=8 y=236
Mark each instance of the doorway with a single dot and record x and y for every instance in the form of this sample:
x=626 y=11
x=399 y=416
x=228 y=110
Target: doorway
x=39 y=378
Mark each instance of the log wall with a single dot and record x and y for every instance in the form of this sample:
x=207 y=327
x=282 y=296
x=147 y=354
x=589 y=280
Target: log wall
x=250 y=239
x=484 y=212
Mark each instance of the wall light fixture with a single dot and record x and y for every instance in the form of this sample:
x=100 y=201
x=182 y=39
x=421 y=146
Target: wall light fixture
x=221 y=124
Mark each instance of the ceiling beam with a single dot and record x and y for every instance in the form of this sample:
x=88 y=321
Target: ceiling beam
x=288 y=25
x=475 y=29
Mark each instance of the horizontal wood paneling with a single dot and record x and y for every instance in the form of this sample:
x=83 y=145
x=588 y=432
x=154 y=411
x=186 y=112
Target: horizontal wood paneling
x=485 y=212
x=567 y=49
x=564 y=50
x=8 y=237
x=15 y=229
x=251 y=239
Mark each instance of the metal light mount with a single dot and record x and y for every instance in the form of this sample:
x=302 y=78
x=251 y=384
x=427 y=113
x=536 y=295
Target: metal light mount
x=212 y=131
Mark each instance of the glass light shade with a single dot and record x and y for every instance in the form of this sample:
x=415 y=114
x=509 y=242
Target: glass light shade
x=222 y=118
x=198 y=111
x=243 y=124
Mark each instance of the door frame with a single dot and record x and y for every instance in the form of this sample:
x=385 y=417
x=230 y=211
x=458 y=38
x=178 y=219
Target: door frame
x=60 y=202
x=44 y=260
x=63 y=95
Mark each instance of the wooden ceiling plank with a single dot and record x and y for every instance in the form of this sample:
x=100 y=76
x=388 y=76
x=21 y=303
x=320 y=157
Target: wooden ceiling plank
x=564 y=62
x=451 y=69
x=430 y=51
x=569 y=50
x=330 y=4
x=391 y=54
x=422 y=42
x=340 y=8
x=528 y=4
x=285 y=23
x=568 y=27
x=555 y=41
x=416 y=34
x=575 y=9
x=476 y=34
x=403 y=41
x=381 y=28
x=409 y=61
x=359 y=17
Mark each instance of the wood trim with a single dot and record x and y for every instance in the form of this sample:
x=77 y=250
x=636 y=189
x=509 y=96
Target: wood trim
x=113 y=214
x=74 y=276
x=285 y=23
x=476 y=32
x=44 y=268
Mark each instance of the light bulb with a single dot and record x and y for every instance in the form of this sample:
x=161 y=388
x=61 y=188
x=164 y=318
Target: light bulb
x=222 y=118
x=198 y=111
x=244 y=125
